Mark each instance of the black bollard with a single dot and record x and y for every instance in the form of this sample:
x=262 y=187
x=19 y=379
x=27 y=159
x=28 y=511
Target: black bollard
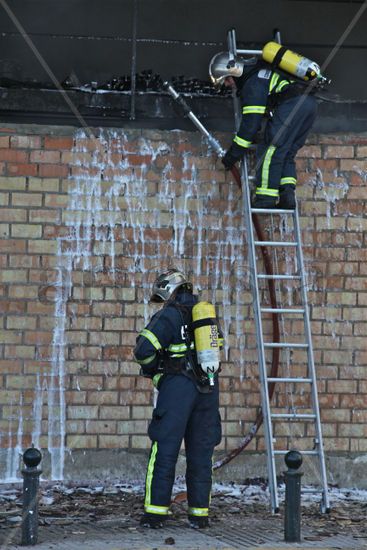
x=292 y=515
x=31 y=458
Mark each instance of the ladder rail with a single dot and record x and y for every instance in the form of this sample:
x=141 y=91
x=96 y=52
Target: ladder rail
x=260 y=347
x=311 y=361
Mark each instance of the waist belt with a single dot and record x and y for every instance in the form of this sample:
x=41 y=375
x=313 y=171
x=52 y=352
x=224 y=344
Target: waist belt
x=174 y=365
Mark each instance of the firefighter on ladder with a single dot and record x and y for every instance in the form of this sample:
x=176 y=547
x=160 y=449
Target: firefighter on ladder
x=187 y=407
x=275 y=104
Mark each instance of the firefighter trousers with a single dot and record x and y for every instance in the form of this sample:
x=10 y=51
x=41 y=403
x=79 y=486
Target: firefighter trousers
x=182 y=413
x=285 y=134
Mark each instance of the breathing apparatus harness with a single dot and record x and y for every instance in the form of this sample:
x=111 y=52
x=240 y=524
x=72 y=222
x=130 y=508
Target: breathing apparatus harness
x=295 y=88
x=304 y=75
x=191 y=364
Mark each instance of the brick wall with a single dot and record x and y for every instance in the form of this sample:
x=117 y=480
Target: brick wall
x=85 y=224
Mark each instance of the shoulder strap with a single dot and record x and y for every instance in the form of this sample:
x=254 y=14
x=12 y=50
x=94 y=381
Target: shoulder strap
x=185 y=331
x=195 y=368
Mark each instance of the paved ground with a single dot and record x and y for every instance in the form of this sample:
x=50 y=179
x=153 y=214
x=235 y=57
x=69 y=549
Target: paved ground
x=107 y=519
x=241 y=535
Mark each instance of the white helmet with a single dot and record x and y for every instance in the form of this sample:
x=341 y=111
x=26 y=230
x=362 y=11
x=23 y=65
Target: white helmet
x=223 y=65
x=166 y=284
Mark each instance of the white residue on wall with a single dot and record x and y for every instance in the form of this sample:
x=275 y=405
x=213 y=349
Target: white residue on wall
x=332 y=190
x=13 y=454
x=134 y=220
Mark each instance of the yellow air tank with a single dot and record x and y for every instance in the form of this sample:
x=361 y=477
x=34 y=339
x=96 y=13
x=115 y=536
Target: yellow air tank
x=206 y=338
x=290 y=62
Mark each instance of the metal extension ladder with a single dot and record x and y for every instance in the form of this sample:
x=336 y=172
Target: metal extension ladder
x=291 y=415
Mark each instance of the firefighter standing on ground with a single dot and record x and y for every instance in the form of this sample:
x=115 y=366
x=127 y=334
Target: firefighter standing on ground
x=187 y=407
x=291 y=113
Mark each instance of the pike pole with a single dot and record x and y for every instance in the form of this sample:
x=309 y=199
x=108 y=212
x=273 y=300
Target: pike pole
x=216 y=146
x=214 y=143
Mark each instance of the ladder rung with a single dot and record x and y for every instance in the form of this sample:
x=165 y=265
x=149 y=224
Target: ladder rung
x=285 y=451
x=271 y=211
x=295 y=415
x=281 y=310
x=286 y=277
x=304 y=380
x=275 y=243
x=284 y=345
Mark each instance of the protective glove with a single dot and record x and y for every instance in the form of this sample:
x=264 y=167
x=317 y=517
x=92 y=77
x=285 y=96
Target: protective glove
x=233 y=155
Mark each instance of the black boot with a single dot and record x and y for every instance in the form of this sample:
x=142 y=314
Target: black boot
x=287 y=197
x=198 y=522
x=153 y=521
x=264 y=201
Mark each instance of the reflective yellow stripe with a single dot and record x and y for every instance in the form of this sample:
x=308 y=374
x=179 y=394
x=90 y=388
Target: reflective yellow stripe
x=254 y=109
x=266 y=166
x=198 y=511
x=242 y=142
x=150 y=470
x=151 y=337
x=156 y=379
x=160 y=510
x=281 y=85
x=145 y=361
x=289 y=180
x=273 y=81
x=267 y=192
x=177 y=347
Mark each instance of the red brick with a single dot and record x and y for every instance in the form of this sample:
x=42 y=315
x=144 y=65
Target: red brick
x=7 y=306
x=100 y=427
x=11 y=155
x=51 y=157
x=37 y=337
x=13 y=215
x=53 y=200
x=81 y=441
x=25 y=142
x=328 y=165
x=27 y=199
x=22 y=169
x=4 y=141
x=339 y=151
x=361 y=151
x=113 y=441
x=81 y=171
x=15 y=246
x=50 y=216
x=60 y=143
x=53 y=171
x=87 y=352
x=353 y=165
x=102 y=398
x=83 y=159
x=117 y=352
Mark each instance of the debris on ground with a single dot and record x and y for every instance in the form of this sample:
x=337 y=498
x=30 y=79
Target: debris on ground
x=79 y=507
